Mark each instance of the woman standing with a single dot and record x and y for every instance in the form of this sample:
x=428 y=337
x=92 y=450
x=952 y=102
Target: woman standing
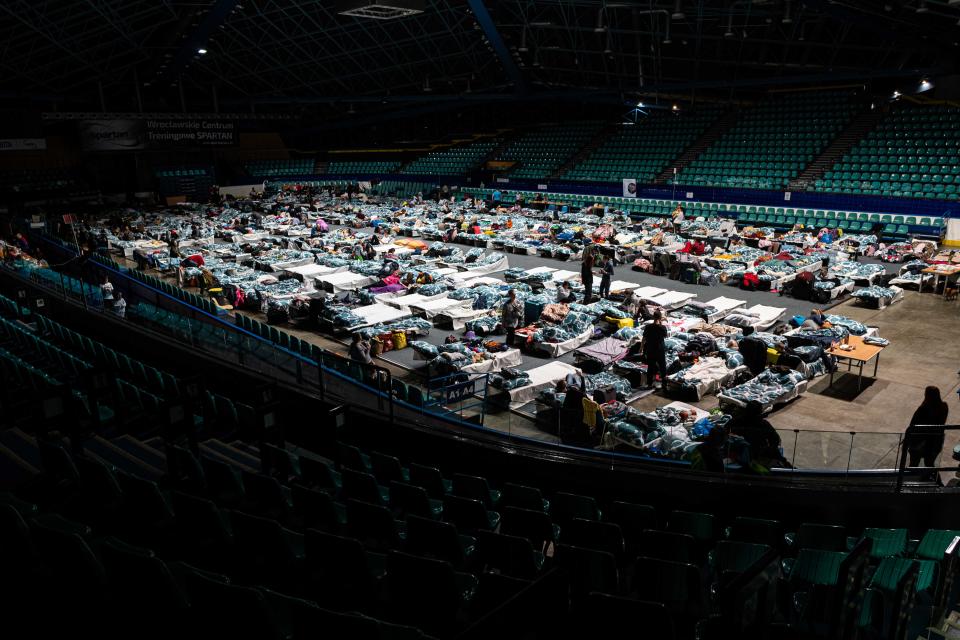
x=655 y=350
x=511 y=315
x=586 y=274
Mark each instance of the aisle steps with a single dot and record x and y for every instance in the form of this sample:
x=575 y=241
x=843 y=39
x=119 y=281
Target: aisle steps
x=723 y=124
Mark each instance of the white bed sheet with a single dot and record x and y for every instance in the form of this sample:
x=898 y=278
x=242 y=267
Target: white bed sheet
x=344 y=281
x=405 y=302
x=672 y=299
x=557 y=349
x=377 y=313
x=540 y=378
x=766 y=315
x=429 y=310
x=458 y=317
x=724 y=306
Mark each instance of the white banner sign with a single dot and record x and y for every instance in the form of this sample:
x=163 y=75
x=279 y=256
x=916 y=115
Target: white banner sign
x=786 y=196
x=23 y=144
x=629 y=187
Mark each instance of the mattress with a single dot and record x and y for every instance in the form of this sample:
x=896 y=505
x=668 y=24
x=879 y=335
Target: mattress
x=760 y=317
x=681 y=324
x=457 y=317
x=606 y=351
x=397 y=249
x=344 y=281
x=623 y=285
x=468 y=271
x=429 y=310
x=671 y=299
x=377 y=313
x=557 y=349
x=648 y=292
x=707 y=376
x=540 y=378
x=405 y=302
x=724 y=306
x=308 y=272
x=508 y=358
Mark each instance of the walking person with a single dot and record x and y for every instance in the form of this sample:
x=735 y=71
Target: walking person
x=655 y=350
x=928 y=445
x=586 y=274
x=606 y=275
x=120 y=306
x=511 y=315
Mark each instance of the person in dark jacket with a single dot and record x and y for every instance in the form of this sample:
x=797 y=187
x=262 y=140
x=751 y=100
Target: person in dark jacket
x=511 y=315
x=586 y=274
x=655 y=350
x=606 y=275
x=928 y=445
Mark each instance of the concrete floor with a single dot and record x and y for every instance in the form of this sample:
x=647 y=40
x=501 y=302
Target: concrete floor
x=819 y=427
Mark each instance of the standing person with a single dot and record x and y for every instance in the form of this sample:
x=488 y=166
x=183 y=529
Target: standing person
x=120 y=306
x=606 y=275
x=933 y=411
x=677 y=218
x=586 y=274
x=655 y=350
x=106 y=292
x=511 y=315
x=360 y=350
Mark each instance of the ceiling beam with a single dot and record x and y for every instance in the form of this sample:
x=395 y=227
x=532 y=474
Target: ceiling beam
x=485 y=21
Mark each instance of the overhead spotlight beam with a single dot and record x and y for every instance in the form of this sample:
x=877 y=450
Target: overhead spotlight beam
x=490 y=30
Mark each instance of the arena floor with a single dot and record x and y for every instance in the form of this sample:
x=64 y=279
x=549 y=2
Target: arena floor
x=818 y=428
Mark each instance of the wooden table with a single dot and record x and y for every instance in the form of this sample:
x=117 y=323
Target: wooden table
x=940 y=271
x=860 y=355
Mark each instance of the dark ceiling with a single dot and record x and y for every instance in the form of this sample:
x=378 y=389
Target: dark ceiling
x=263 y=54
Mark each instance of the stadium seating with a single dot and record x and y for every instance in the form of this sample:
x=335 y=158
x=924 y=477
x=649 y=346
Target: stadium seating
x=771 y=142
x=34 y=181
x=455 y=161
x=257 y=567
x=362 y=167
x=541 y=152
x=279 y=168
x=912 y=153
x=642 y=150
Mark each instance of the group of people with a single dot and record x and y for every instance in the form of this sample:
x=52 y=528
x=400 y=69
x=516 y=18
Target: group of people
x=587 y=264
x=113 y=300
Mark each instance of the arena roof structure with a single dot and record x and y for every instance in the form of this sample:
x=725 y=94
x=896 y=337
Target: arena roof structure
x=298 y=51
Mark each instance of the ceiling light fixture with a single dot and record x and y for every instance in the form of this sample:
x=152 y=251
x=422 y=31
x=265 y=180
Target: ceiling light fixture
x=202 y=51
x=678 y=13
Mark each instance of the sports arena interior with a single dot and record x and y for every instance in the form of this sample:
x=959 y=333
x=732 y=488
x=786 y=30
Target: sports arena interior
x=651 y=304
